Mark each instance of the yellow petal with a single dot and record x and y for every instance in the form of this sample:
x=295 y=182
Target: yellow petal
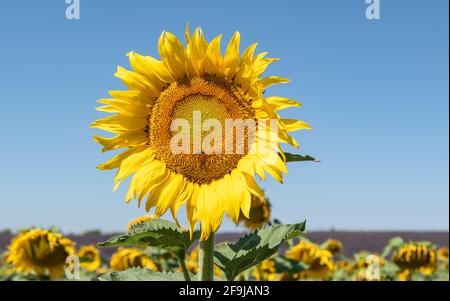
x=173 y=54
x=186 y=193
x=128 y=139
x=282 y=103
x=213 y=63
x=261 y=63
x=118 y=124
x=132 y=97
x=196 y=52
x=169 y=194
x=145 y=178
x=132 y=163
x=272 y=80
x=240 y=188
x=154 y=71
x=155 y=191
x=232 y=58
x=117 y=160
x=230 y=197
x=244 y=73
x=191 y=210
x=252 y=186
x=295 y=125
x=136 y=81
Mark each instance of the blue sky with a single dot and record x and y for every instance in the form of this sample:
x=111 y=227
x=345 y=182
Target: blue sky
x=375 y=92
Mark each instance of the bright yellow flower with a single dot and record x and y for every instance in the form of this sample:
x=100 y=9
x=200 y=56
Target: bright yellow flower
x=334 y=246
x=320 y=261
x=126 y=258
x=187 y=81
x=41 y=252
x=89 y=258
x=259 y=213
x=416 y=256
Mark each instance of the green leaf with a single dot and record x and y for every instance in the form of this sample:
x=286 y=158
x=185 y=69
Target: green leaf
x=140 y=274
x=159 y=233
x=392 y=245
x=298 y=158
x=283 y=264
x=250 y=250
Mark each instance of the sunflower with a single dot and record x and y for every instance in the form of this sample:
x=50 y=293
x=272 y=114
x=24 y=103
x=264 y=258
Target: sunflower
x=320 y=262
x=138 y=220
x=40 y=252
x=126 y=258
x=362 y=262
x=266 y=270
x=366 y=267
x=343 y=264
x=259 y=213
x=192 y=261
x=213 y=173
x=334 y=246
x=414 y=256
x=442 y=253
x=89 y=258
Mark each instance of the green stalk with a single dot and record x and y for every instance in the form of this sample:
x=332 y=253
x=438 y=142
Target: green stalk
x=184 y=269
x=206 y=258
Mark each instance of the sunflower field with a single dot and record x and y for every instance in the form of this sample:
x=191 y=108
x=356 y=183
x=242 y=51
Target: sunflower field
x=155 y=250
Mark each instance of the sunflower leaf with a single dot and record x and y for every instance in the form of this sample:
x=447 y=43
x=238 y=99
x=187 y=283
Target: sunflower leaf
x=250 y=250
x=283 y=264
x=392 y=245
x=140 y=274
x=158 y=233
x=299 y=158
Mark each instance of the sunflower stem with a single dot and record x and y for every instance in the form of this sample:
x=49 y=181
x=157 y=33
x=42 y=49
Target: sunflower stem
x=206 y=258
x=184 y=269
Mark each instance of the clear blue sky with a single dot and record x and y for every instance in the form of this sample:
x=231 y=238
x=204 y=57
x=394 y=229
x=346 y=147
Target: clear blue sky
x=375 y=92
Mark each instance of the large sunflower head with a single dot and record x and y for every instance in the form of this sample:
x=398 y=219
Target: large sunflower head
x=41 y=252
x=416 y=256
x=89 y=258
x=126 y=258
x=196 y=128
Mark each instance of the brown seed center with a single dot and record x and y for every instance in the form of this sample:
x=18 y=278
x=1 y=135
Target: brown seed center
x=187 y=115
